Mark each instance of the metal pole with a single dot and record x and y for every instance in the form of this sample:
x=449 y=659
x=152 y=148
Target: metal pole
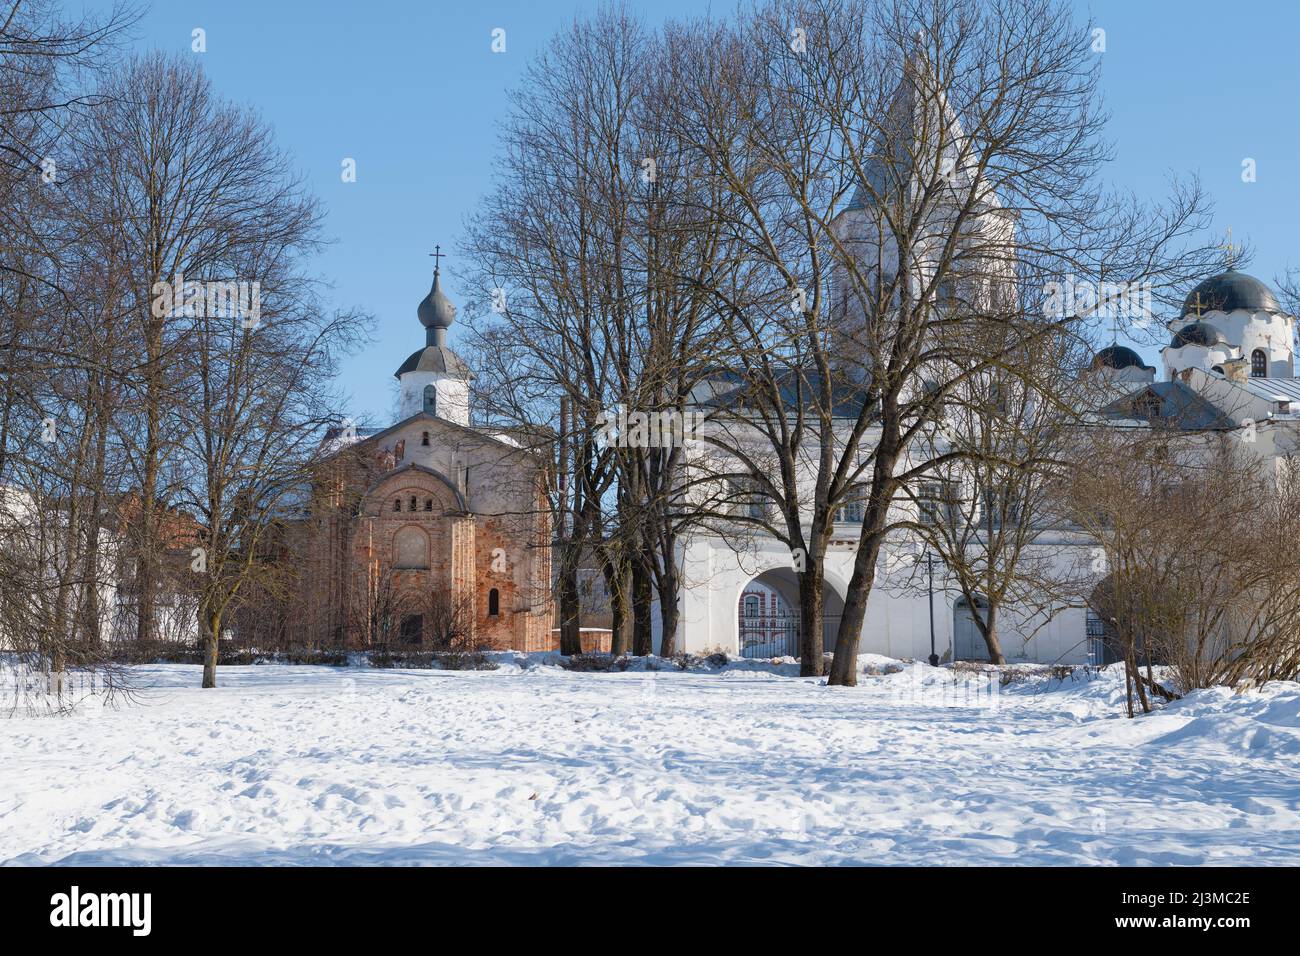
x=929 y=566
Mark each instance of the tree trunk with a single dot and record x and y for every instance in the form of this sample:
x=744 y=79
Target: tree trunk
x=570 y=605
x=668 y=613
x=989 y=631
x=616 y=586
x=642 y=598
x=210 y=627
x=844 y=666
x=668 y=587
x=620 y=636
x=810 y=619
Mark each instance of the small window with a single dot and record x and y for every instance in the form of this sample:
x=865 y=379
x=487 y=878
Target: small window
x=851 y=511
x=428 y=504
x=413 y=504
x=424 y=439
x=431 y=399
x=752 y=605
x=397 y=504
x=494 y=602
x=1258 y=364
x=937 y=503
x=1148 y=406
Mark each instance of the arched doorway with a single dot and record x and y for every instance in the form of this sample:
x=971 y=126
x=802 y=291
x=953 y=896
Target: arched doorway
x=968 y=643
x=768 y=615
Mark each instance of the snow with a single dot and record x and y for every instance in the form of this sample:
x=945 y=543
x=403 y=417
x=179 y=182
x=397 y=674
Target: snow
x=745 y=763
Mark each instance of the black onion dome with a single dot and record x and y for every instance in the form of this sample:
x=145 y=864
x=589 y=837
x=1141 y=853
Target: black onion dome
x=1229 y=291
x=1197 y=333
x=1119 y=356
x=435 y=309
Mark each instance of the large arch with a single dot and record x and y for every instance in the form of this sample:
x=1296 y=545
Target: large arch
x=414 y=475
x=770 y=628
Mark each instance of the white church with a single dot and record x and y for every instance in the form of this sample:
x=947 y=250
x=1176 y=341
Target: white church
x=1230 y=360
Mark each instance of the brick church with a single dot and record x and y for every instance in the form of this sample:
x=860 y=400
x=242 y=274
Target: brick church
x=431 y=532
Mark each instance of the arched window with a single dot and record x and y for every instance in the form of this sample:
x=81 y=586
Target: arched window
x=1258 y=364
x=397 y=504
x=413 y=504
x=1149 y=406
x=431 y=400
x=411 y=549
x=753 y=605
x=424 y=439
x=494 y=602
x=428 y=504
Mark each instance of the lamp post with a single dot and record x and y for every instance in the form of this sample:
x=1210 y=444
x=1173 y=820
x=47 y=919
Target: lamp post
x=929 y=569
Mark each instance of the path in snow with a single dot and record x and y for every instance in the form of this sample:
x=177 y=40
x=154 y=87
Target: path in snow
x=539 y=765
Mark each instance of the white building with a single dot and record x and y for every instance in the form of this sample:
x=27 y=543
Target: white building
x=1230 y=364
x=1230 y=361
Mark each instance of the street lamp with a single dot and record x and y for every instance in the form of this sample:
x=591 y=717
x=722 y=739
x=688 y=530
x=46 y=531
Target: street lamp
x=929 y=569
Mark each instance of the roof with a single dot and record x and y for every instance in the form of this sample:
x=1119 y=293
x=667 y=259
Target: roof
x=1229 y=291
x=1273 y=389
x=847 y=401
x=434 y=358
x=480 y=433
x=1175 y=405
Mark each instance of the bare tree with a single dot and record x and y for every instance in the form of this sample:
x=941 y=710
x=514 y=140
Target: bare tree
x=1193 y=567
x=902 y=175
x=234 y=352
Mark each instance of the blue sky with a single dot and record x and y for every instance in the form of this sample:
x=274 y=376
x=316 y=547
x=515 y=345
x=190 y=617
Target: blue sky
x=412 y=91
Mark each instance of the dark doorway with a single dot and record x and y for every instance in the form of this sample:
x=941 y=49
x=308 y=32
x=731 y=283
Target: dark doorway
x=412 y=630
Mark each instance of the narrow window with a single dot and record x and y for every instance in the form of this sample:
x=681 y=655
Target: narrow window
x=413 y=505
x=494 y=602
x=1258 y=364
x=424 y=439
x=397 y=504
x=431 y=399
x=428 y=504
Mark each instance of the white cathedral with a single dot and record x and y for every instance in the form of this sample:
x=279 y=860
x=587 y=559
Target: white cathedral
x=1230 y=360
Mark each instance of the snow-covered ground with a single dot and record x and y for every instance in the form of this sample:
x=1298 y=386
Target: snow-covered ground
x=747 y=764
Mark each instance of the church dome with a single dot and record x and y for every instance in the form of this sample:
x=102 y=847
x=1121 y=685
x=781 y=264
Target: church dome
x=1197 y=333
x=1229 y=291
x=1119 y=357
x=435 y=309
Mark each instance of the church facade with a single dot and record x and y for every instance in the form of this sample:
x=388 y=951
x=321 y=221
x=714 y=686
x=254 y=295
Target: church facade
x=431 y=533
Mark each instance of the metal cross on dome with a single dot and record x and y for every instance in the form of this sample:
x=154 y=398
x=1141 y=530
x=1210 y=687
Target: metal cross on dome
x=437 y=255
x=1231 y=250
x=1198 y=305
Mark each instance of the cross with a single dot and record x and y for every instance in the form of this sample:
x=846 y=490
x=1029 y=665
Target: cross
x=437 y=254
x=1199 y=305
x=1230 y=249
